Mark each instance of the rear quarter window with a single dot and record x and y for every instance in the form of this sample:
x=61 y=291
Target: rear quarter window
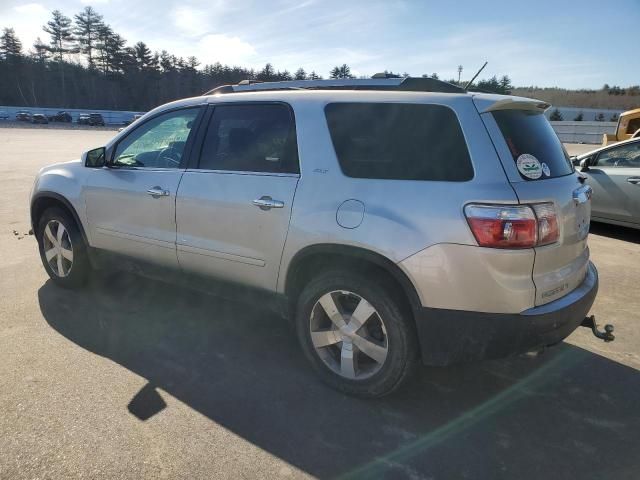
x=399 y=141
x=529 y=133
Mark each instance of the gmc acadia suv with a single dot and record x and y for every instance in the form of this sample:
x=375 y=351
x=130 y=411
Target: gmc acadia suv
x=395 y=219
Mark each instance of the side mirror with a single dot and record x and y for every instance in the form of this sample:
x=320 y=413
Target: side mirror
x=94 y=158
x=584 y=164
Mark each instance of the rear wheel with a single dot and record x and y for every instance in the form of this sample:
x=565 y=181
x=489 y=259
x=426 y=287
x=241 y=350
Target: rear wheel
x=62 y=248
x=357 y=333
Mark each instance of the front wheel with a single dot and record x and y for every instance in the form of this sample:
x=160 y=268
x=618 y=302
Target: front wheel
x=62 y=248
x=357 y=333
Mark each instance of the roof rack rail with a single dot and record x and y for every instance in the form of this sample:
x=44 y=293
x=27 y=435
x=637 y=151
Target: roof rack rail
x=408 y=84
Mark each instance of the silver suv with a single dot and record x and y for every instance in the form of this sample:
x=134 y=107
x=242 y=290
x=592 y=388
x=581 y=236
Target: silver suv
x=392 y=219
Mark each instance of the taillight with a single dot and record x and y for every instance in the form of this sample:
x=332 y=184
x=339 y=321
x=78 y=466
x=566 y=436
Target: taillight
x=547 y=223
x=512 y=226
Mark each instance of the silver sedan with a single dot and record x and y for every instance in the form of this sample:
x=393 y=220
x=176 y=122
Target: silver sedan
x=614 y=175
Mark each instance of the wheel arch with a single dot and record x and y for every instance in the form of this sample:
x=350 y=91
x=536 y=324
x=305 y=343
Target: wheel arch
x=323 y=256
x=43 y=200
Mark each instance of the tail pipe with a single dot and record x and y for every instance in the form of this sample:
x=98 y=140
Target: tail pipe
x=607 y=335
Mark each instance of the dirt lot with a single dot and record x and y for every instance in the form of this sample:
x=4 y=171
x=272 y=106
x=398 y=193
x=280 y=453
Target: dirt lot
x=131 y=378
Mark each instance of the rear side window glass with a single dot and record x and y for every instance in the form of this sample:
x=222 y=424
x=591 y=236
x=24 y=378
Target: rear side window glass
x=251 y=138
x=533 y=144
x=399 y=141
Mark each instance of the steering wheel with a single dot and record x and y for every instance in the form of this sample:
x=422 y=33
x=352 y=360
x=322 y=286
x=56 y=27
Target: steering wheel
x=170 y=157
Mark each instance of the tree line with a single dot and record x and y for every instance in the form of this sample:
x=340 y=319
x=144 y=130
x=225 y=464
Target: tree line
x=118 y=76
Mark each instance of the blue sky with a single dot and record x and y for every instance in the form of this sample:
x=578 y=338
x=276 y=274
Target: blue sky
x=573 y=44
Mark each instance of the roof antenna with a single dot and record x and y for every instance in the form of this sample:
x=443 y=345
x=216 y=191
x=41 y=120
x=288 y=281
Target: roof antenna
x=466 y=87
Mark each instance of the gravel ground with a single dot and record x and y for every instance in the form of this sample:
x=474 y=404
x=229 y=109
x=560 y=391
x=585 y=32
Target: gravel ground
x=130 y=378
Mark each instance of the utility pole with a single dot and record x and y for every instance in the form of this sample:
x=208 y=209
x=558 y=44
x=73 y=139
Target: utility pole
x=459 y=72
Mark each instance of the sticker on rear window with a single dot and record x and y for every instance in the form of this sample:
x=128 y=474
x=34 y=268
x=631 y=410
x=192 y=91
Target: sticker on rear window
x=546 y=170
x=529 y=166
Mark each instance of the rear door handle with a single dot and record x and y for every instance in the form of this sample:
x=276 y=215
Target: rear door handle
x=158 y=192
x=267 y=203
x=634 y=180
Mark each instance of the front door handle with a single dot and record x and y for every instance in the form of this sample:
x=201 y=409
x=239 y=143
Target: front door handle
x=267 y=203
x=634 y=180
x=158 y=192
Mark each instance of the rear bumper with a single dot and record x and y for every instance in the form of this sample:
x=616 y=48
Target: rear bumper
x=456 y=336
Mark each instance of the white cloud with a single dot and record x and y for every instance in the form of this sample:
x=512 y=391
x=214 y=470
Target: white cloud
x=191 y=21
x=31 y=9
x=224 y=49
x=27 y=20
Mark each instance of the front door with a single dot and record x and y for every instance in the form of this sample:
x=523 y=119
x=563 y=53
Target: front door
x=615 y=179
x=131 y=203
x=233 y=208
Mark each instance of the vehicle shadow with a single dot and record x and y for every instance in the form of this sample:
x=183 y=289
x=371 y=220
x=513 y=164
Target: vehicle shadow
x=567 y=413
x=625 y=234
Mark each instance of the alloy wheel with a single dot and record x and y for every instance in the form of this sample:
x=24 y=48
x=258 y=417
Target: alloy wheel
x=348 y=334
x=58 y=250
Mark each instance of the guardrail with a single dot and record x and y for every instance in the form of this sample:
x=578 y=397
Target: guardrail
x=111 y=117
x=583 y=132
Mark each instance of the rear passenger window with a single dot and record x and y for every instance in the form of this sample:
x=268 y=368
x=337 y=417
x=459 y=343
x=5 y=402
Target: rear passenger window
x=251 y=138
x=399 y=141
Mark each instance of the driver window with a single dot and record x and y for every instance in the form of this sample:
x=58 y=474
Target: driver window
x=624 y=156
x=158 y=143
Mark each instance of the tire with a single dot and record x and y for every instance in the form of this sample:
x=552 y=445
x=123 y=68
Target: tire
x=75 y=265
x=385 y=321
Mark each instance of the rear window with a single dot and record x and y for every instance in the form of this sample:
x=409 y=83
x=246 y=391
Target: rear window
x=399 y=141
x=533 y=144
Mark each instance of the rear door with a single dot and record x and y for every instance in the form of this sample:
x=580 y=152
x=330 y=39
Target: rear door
x=540 y=170
x=234 y=205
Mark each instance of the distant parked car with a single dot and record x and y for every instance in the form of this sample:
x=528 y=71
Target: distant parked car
x=133 y=119
x=4 y=115
x=61 y=116
x=137 y=116
x=39 y=118
x=83 y=119
x=613 y=172
x=96 y=119
x=23 y=116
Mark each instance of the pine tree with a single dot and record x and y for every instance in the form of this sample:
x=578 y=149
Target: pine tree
x=10 y=45
x=142 y=55
x=59 y=28
x=505 y=85
x=341 y=72
x=40 y=50
x=87 y=28
x=300 y=74
x=556 y=116
x=579 y=117
x=267 y=74
x=314 y=76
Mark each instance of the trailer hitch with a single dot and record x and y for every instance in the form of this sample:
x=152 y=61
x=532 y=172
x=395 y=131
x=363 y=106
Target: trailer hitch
x=607 y=335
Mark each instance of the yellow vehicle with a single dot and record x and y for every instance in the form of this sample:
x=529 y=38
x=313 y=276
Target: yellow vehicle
x=628 y=124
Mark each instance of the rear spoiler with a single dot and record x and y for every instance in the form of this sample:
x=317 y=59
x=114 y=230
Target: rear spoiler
x=492 y=103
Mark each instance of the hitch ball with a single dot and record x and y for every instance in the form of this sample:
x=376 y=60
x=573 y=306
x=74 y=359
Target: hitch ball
x=607 y=335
